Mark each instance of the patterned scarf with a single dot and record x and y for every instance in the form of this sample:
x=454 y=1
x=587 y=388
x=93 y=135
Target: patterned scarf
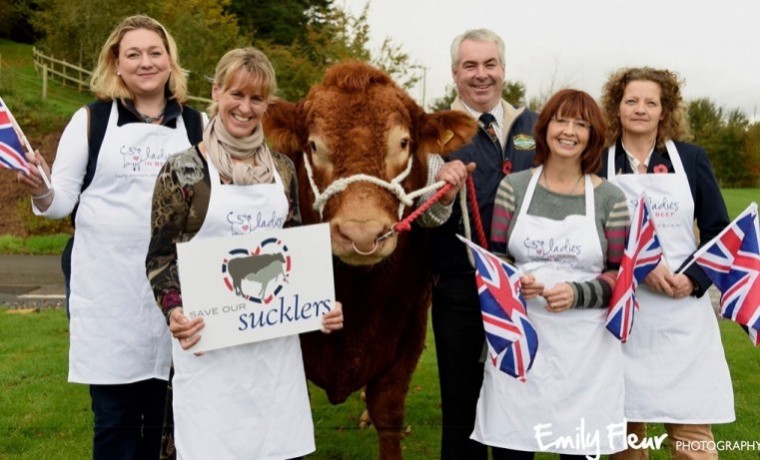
x=222 y=148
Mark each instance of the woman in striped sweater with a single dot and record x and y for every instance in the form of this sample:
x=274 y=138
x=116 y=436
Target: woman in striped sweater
x=564 y=228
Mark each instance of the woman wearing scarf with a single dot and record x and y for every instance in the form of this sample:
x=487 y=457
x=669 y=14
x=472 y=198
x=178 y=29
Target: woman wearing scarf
x=675 y=367
x=248 y=401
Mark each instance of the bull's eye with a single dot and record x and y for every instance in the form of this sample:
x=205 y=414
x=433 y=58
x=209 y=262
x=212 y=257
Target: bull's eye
x=404 y=144
x=312 y=146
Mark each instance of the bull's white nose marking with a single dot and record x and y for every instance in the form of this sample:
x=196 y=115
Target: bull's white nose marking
x=362 y=253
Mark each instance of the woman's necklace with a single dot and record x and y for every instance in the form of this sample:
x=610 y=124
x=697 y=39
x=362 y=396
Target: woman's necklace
x=548 y=186
x=150 y=119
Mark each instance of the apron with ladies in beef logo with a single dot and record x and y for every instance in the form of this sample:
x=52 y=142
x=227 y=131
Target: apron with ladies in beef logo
x=576 y=382
x=675 y=368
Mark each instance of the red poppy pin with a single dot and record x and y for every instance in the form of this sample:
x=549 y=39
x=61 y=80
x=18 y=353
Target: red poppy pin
x=660 y=169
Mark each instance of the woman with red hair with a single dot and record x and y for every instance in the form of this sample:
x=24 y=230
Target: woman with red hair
x=564 y=228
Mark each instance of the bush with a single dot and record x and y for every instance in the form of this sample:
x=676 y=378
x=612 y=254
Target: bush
x=36 y=245
x=11 y=244
x=35 y=225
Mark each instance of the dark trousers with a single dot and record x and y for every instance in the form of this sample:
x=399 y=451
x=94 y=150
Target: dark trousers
x=459 y=341
x=128 y=420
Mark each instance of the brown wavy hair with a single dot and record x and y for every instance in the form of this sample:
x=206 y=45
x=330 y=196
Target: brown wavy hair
x=572 y=103
x=673 y=124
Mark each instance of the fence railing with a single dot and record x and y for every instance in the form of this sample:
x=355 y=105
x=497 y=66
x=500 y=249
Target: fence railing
x=67 y=74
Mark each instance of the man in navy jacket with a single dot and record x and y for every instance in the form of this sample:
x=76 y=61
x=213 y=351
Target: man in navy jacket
x=503 y=144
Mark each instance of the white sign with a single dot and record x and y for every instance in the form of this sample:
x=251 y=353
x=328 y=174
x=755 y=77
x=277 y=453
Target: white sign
x=266 y=284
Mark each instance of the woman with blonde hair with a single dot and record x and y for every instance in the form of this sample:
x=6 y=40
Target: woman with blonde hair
x=247 y=401
x=105 y=168
x=675 y=367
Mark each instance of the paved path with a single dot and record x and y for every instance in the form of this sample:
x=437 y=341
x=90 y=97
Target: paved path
x=31 y=281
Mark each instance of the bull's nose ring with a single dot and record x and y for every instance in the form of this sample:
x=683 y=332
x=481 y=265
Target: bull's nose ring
x=363 y=253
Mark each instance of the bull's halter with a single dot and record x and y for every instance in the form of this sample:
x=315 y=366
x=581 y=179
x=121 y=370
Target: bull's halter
x=339 y=185
x=394 y=186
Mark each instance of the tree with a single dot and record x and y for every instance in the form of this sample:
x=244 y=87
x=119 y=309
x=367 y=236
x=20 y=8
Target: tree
x=204 y=31
x=332 y=35
x=280 y=23
x=705 y=119
x=723 y=135
x=512 y=92
x=734 y=161
x=312 y=35
x=75 y=31
x=14 y=20
x=752 y=149
x=398 y=64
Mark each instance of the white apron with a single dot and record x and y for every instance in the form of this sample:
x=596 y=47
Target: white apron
x=576 y=382
x=248 y=401
x=118 y=333
x=675 y=367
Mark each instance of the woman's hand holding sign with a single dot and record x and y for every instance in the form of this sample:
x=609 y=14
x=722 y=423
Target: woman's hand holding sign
x=333 y=319
x=185 y=330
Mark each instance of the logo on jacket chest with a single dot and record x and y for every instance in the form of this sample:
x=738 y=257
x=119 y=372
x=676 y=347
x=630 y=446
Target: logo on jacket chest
x=524 y=142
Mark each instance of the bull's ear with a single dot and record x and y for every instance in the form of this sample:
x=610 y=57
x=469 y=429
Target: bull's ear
x=446 y=131
x=283 y=127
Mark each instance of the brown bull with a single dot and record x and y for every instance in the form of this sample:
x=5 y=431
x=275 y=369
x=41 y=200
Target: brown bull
x=358 y=123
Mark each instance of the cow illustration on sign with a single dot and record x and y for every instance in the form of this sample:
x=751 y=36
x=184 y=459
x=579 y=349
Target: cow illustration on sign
x=259 y=267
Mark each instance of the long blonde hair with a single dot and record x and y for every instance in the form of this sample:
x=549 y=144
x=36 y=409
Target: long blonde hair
x=107 y=85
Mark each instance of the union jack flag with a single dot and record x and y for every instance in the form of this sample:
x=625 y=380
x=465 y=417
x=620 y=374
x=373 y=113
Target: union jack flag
x=732 y=261
x=642 y=254
x=511 y=337
x=11 y=151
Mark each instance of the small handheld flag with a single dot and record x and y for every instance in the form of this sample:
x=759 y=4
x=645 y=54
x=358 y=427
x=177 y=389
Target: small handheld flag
x=511 y=337
x=642 y=254
x=11 y=150
x=732 y=261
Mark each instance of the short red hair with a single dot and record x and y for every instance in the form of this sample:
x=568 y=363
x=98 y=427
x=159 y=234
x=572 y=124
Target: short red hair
x=573 y=103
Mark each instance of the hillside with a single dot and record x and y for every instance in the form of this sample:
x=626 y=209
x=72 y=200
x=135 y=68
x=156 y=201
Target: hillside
x=42 y=122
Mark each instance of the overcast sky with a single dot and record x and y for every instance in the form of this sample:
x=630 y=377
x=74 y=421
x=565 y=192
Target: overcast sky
x=714 y=45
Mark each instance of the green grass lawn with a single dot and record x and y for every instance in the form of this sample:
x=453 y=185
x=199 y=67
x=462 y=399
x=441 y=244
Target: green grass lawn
x=44 y=417
x=737 y=199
